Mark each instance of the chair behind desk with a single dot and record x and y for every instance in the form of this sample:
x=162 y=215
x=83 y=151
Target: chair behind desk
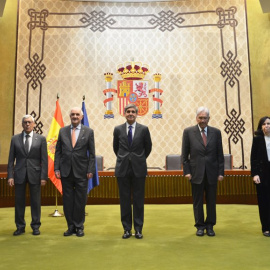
x=173 y=163
x=228 y=162
x=100 y=163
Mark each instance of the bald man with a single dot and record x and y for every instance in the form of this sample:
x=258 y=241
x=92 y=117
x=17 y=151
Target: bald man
x=74 y=164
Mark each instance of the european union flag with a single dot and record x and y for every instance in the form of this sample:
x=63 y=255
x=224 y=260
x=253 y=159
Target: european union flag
x=92 y=182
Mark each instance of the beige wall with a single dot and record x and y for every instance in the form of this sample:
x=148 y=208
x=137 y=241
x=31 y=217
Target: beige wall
x=8 y=24
x=259 y=42
x=259 y=45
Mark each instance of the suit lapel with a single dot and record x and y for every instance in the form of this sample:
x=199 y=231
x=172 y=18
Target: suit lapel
x=21 y=142
x=209 y=134
x=67 y=130
x=34 y=141
x=263 y=148
x=137 y=132
x=124 y=131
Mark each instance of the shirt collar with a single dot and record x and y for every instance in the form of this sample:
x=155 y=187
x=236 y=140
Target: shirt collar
x=205 y=129
x=78 y=127
x=133 y=125
x=30 y=134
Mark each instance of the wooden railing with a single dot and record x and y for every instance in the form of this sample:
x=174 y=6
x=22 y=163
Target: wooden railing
x=160 y=187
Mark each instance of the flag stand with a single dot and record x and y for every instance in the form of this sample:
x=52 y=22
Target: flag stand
x=56 y=213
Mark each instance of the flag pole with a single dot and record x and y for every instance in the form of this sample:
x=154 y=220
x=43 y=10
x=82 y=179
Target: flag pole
x=56 y=213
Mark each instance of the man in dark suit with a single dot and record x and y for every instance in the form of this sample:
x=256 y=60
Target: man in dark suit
x=27 y=163
x=74 y=163
x=203 y=163
x=132 y=145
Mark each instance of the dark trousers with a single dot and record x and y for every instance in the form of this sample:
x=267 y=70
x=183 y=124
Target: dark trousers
x=210 y=191
x=131 y=185
x=74 y=200
x=263 y=195
x=20 y=190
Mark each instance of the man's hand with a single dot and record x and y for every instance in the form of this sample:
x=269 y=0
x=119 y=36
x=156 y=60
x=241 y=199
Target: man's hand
x=188 y=176
x=11 y=182
x=57 y=174
x=89 y=175
x=43 y=182
x=220 y=177
x=256 y=179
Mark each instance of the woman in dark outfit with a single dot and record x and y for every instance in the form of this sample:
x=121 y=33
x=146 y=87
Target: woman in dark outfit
x=260 y=171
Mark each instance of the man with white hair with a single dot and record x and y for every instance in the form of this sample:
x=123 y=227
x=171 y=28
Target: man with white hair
x=203 y=163
x=74 y=164
x=27 y=163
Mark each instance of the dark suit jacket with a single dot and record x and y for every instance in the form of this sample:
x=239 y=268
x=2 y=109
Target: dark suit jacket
x=35 y=163
x=77 y=158
x=198 y=159
x=259 y=159
x=135 y=154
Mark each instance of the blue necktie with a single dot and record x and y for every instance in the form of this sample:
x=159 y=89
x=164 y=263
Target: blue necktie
x=130 y=135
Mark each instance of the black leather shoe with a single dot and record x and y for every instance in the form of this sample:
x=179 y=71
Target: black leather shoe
x=80 y=232
x=19 y=232
x=69 y=232
x=267 y=234
x=138 y=235
x=126 y=234
x=36 y=232
x=200 y=232
x=210 y=232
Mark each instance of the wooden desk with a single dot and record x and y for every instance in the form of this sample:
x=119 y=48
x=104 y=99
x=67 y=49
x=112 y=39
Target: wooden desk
x=161 y=187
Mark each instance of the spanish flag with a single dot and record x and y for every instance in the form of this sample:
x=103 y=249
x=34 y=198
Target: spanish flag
x=52 y=138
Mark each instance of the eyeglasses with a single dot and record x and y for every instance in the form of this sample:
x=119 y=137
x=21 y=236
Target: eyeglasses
x=128 y=111
x=27 y=122
x=203 y=118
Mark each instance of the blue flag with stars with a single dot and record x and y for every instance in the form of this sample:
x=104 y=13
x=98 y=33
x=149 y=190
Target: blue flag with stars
x=92 y=182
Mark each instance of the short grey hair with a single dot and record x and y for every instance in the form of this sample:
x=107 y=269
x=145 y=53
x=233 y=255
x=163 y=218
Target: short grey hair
x=28 y=116
x=76 y=108
x=203 y=109
x=131 y=105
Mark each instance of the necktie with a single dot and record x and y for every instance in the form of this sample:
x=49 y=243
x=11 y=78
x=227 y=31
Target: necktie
x=130 y=135
x=26 y=143
x=73 y=137
x=204 y=137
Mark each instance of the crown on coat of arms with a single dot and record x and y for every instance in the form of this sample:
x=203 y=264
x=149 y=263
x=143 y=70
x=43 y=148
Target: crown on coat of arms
x=133 y=70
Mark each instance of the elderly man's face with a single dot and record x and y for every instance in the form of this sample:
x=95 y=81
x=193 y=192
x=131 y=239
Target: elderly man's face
x=28 y=125
x=75 y=117
x=202 y=119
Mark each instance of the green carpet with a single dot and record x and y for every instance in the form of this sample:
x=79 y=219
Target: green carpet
x=169 y=241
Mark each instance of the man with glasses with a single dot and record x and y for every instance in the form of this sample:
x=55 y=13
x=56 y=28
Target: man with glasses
x=203 y=163
x=27 y=163
x=132 y=145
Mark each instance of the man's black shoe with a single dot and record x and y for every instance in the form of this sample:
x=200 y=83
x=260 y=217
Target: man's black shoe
x=210 y=232
x=36 y=232
x=138 y=235
x=200 y=232
x=69 y=232
x=126 y=234
x=80 y=232
x=19 y=232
